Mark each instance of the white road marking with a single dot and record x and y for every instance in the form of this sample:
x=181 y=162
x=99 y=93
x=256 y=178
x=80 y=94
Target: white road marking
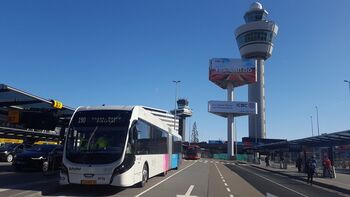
x=216 y=162
x=188 y=193
x=165 y=179
x=223 y=180
x=228 y=189
x=34 y=194
x=21 y=194
x=218 y=171
x=206 y=161
x=5 y=173
x=211 y=161
x=231 y=195
x=225 y=184
x=275 y=183
x=270 y=195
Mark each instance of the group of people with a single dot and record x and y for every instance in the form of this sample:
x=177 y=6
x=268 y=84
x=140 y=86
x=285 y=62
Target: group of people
x=310 y=168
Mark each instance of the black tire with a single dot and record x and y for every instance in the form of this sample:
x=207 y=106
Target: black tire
x=9 y=158
x=164 y=173
x=144 y=174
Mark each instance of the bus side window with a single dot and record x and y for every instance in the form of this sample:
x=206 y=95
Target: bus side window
x=143 y=137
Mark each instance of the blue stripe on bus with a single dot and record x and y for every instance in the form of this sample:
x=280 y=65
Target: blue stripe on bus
x=174 y=160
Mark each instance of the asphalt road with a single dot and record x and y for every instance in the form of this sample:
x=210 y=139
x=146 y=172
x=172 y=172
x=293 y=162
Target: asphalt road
x=278 y=185
x=200 y=178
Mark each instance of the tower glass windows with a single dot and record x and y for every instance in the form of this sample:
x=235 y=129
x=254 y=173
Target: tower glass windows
x=255 y=36
x=255 y=16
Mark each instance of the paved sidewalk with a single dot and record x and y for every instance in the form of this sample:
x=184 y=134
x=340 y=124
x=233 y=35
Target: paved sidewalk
x=341 y=183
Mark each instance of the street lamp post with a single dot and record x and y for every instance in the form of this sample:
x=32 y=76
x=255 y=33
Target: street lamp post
x=312 y=126
x=176 y=82
x=347 y=81
x=318 y=125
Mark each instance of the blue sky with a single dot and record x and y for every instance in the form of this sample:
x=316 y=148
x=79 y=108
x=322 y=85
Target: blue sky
x=128 y=52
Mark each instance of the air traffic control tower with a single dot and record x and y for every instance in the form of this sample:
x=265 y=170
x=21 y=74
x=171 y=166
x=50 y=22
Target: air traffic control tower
x=255 y=41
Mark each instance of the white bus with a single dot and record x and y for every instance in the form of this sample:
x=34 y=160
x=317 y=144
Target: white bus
x=119 y=146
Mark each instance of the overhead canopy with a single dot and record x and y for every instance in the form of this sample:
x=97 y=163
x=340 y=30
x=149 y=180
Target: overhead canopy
x=331 y=139
x=20 y=109
x=324 y=140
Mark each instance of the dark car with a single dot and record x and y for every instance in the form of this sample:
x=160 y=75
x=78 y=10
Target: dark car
x=35 y=157
x=8 y=151
x=53 y=161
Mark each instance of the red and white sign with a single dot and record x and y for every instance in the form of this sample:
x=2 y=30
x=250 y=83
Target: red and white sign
x=236 y=71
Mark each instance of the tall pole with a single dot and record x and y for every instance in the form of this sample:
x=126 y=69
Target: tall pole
x=318 y=125
x=347 y=81
x=176 y=82
x=312 y=127
x=230 y=128
x=236 y=149
x=189 y=131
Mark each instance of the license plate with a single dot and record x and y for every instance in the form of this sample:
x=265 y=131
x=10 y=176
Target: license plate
x=88 y=182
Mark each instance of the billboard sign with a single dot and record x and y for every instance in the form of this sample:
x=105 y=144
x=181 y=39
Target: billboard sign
x=223 y=108
x=236 y=71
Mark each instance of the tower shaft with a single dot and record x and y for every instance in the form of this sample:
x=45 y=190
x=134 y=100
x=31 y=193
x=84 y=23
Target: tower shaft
x=256 y=93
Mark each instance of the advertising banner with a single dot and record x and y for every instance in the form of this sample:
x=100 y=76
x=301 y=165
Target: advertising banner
x=222 y=108
x=236 y=71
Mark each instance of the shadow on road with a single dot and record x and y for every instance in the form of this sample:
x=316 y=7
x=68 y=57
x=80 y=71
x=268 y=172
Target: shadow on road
x=82 y=190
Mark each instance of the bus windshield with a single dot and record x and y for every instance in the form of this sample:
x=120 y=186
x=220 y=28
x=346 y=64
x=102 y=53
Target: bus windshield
x=97 y=137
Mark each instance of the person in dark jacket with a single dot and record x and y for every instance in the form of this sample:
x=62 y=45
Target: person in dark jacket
x=311 y=169
x=298 y=163
x=267 y=161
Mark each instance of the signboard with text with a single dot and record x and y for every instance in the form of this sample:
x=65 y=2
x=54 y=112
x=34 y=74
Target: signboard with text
x=222 y=108
x=236 y=71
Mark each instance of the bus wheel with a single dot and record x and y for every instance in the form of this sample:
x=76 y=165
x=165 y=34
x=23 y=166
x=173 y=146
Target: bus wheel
x=9 y=158
x=144 y=176
x=165 y=173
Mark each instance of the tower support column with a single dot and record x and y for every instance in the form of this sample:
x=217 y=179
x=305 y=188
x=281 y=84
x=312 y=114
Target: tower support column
x=230 y=127
x=256 y=93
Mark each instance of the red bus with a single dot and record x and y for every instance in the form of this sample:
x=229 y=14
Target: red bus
x=192 y=152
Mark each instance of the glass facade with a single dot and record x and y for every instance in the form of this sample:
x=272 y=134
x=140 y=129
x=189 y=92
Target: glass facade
x=255 y=36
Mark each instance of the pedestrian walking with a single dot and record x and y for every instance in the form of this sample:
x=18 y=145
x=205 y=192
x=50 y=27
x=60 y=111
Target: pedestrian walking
x=327 y=168
x=298 y=163
x=311 y=169
x=281 y=162
x=267 y=161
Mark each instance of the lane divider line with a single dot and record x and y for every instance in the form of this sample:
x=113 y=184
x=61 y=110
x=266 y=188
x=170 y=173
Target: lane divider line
x=165 y=179
x=223 y=180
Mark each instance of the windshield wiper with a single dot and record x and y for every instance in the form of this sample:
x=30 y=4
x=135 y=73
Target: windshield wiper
x=90 y=138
